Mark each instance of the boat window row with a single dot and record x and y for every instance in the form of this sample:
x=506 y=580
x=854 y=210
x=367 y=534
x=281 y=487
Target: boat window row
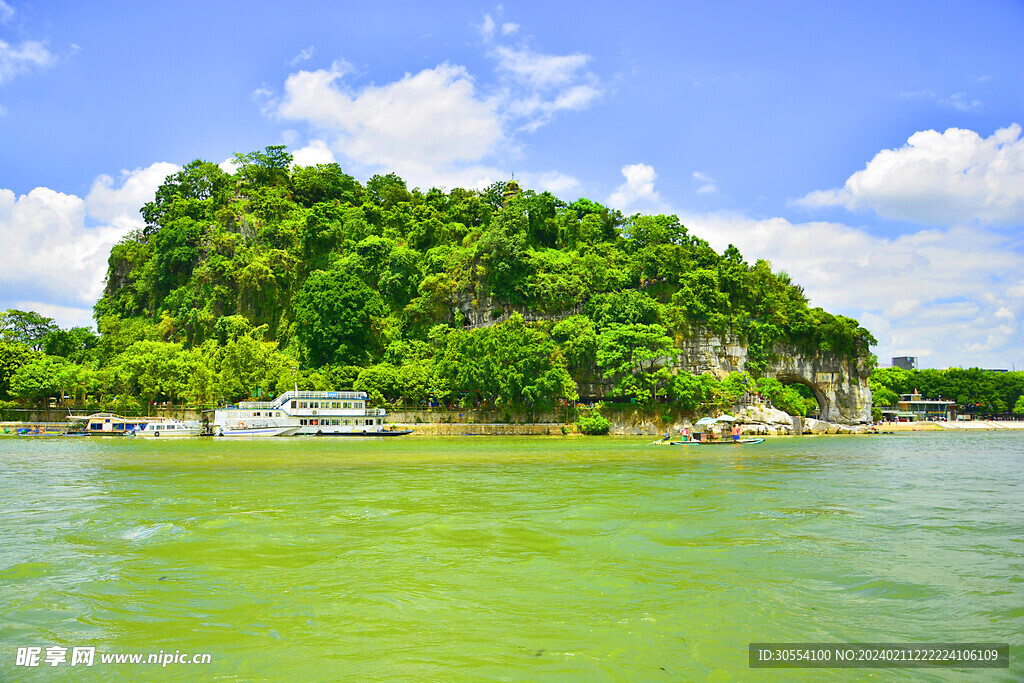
x=116 y=426
x=270 y=413
x=336 y=422
x=326 y=405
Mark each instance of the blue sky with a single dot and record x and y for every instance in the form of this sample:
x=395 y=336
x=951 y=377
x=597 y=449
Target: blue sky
x=872 y=150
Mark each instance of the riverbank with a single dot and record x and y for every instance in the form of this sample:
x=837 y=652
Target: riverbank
x=642 y=429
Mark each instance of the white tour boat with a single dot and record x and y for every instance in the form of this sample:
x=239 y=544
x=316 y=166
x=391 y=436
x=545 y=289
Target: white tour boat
x=304 y=413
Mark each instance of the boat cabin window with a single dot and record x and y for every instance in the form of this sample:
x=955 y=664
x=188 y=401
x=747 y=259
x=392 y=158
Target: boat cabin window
x=358 y=405
x=348 y=404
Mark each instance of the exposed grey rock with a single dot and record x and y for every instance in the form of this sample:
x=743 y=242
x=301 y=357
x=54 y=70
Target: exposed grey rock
x=839 y=384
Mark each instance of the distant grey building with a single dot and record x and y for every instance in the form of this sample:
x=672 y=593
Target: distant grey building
x=905 y=362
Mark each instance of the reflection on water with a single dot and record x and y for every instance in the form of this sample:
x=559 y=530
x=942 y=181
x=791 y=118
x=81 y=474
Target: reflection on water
x=507 y=558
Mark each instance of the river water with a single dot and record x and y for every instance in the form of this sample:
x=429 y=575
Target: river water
x=505 y=558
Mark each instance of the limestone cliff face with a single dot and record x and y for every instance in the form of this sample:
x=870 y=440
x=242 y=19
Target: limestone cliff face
x=840 y=384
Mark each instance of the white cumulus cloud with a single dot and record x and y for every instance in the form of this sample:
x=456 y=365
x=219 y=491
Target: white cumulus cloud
x=119 y=204
x=637 y=190
x=51 y=255
x=315 y=152
x=434 y=116
x=20 y=59
x=442 y=126
x=955 y=177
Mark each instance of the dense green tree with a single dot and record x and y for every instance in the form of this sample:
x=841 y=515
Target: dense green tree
x=25 y=327
x=336 y=313
x=40 y=378
x=578 y=340
x=12 y=357
x=74 y=344
x=692 y=392
x=190 y=192
x=636 y=357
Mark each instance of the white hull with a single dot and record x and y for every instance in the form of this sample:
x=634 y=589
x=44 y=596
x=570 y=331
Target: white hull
x=257 y=431
x=165 y=428
x=171 y=434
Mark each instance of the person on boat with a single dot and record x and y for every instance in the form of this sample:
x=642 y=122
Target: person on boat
x=736 y=433
x=684 y=433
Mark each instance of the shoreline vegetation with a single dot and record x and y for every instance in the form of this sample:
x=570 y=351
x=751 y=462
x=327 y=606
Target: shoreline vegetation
x=242 y=285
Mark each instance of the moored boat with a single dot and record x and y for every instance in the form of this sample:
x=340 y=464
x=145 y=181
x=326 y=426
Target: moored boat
x=305 y=413
x=109 y=424
x=723 y=442
x=166 y=427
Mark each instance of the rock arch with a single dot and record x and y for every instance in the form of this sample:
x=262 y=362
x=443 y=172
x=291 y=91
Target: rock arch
x=824 y=404
x=840 y=384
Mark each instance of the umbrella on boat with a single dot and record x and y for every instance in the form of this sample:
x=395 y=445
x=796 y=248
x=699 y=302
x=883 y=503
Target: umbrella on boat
x=705 y=421
x=725 y=418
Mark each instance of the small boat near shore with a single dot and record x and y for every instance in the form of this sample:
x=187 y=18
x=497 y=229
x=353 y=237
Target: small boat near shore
x=723 y=442
x=167 y=428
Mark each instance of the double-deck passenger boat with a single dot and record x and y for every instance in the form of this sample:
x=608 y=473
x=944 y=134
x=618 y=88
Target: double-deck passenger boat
x=305 y=413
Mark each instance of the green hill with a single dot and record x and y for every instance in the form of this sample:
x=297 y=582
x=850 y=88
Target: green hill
x=249 y=281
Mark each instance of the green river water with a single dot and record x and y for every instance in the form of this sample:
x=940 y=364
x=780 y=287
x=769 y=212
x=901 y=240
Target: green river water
x=505 y=558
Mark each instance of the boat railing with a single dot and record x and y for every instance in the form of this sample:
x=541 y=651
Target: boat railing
x=258 y=405
x=381 y=412
x=314 y=395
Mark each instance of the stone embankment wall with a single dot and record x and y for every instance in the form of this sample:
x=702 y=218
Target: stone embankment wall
x=493 y=429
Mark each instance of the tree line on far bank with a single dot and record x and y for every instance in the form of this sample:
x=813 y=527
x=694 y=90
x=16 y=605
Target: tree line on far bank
x=974 y=390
